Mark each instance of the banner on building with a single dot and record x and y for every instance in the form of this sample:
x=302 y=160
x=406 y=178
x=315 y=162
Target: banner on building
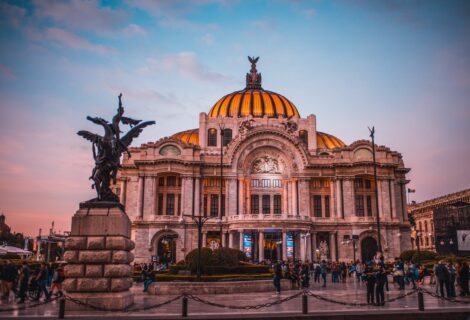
x=463 y=240
x=248 y=245
x=290 y=245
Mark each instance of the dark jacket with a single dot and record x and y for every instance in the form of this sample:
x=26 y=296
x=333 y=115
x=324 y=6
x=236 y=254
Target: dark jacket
x=442 y=273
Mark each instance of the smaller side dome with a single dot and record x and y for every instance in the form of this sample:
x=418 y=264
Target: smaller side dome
x=188 y=136
x=327 y=141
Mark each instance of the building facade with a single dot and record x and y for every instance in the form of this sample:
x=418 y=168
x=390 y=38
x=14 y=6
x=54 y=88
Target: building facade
x=423 y=215
x=273 y=185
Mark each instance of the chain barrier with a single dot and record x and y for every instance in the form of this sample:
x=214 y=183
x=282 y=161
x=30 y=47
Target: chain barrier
x=435 y=295
x=28 y=306
x=357 y=304
x=252 y=307
x=128 y=309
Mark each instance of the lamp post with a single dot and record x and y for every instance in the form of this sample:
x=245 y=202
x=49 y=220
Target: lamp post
x=372 y=134
x=199 y=221
x=347 y=240
x=221 y=129
x=418 y=235
x=278 y=251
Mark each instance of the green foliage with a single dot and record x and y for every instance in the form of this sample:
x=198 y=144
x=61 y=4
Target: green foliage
x=225 y=257
x=424 y=256
x=242 y=269
x=407 y=255
x=206 y=259
x=209 y=278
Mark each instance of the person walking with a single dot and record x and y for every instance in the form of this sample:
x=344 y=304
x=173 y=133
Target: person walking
x=451 y=281
x=23 y=281
x=277 y=278
x=57 y=280
x=359 y=270
x=400 y=273
x=9 y=274
x=316 y=272
x=305 y=274
x=41 y=279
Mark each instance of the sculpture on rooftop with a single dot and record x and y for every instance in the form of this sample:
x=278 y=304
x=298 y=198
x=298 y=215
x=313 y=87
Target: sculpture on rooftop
x=107 y=151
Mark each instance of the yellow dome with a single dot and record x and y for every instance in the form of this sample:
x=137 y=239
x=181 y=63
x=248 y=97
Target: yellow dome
x=324 y=140
x=254 y=100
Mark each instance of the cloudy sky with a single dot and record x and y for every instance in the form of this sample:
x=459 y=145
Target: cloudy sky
x=403 y=66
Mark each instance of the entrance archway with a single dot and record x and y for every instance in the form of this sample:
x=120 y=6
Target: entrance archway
x=166 y=248
x=369 y=248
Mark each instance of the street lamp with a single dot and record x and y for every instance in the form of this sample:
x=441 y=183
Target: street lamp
x=347 y=240
x=278 y=251
x=418 y=235
x=199 y=221
x=372 y=134
x=218 y=221
x=305 y=236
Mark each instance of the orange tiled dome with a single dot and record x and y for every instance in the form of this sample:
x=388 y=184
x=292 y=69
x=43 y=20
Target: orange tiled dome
x=324 y=140
x=254 y=100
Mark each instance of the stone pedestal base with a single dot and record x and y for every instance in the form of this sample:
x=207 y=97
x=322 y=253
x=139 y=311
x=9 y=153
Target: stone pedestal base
x=98 y=255
x=109 y=301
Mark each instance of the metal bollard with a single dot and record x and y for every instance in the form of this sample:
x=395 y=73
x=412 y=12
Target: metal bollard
x=61 y=308
x=184 y=305
x=304 y=304
x=420 y=301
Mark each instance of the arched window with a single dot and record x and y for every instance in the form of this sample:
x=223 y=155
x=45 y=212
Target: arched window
x=227 y=134
x=212 y=137
x=303 y=135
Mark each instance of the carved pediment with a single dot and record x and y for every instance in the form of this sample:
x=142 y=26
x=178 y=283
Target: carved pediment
x=265 y=164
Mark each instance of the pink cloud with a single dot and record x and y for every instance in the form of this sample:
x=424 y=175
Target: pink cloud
x=7 y=72
x=65 y=38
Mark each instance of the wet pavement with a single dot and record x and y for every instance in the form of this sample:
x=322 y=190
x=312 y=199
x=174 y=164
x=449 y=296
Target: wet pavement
x=349 y=292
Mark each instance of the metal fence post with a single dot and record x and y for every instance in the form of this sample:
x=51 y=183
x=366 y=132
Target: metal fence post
x=420 y=301
x=304 y=304
x=184 y=305
x=61 y=308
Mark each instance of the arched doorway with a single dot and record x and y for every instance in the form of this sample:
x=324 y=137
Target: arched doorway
x=369 y=248
x=166 y=248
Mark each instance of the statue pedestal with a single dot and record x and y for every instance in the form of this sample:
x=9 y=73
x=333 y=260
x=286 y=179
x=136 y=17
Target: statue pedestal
x=98 y=254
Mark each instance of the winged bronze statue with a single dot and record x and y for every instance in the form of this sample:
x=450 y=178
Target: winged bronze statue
x=107 y=150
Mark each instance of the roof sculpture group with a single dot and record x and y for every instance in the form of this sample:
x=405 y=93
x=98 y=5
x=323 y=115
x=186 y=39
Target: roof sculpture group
x=107 y=151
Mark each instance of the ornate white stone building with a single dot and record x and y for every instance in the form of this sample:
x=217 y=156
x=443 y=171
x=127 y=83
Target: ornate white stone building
x=274 y=185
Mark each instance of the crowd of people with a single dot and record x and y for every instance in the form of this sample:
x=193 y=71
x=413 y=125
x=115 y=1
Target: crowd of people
x=21 y=282
x=375 y=275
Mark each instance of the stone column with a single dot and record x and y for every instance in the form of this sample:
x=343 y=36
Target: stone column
x=339 y=195
x=98 y=270
x=261 y=246
x=140 y=203
x=224 y=234
x=333 y=246
x=348 y=195
x=380 y=206
x=284 y=245
x=149 y=198
x=204 y=239
x=241 y=196
x=231 y=197
x=294 y=197
x=241 y=240
x=314 y=245
x=247 y=196
x=394 y=202
x=230 y=240
x=284 y=199
x=197 y=196
x=122 y=196
x=302 y=246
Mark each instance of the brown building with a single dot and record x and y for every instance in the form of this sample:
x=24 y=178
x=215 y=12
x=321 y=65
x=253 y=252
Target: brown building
x=423 y=214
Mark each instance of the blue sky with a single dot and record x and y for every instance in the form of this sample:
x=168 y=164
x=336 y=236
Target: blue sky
x=403 y=66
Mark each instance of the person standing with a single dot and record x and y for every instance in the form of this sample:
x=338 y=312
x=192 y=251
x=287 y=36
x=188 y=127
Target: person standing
x=359 y=270
x=277 y=278
x=57 y=280
x=442 y=275
x=381 y=280
x=9 y=277
x=23 y=281
x=316 y=272
x=370 y=282
x=400 y=273
x=323 y=268
x=451 y=281
x=41 y=279
x=50 y=274
x=463 y=279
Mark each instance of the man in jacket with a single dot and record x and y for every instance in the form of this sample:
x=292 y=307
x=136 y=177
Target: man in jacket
x=442 y=275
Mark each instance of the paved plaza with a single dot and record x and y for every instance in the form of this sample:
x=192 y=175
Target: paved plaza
x=350 y=292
